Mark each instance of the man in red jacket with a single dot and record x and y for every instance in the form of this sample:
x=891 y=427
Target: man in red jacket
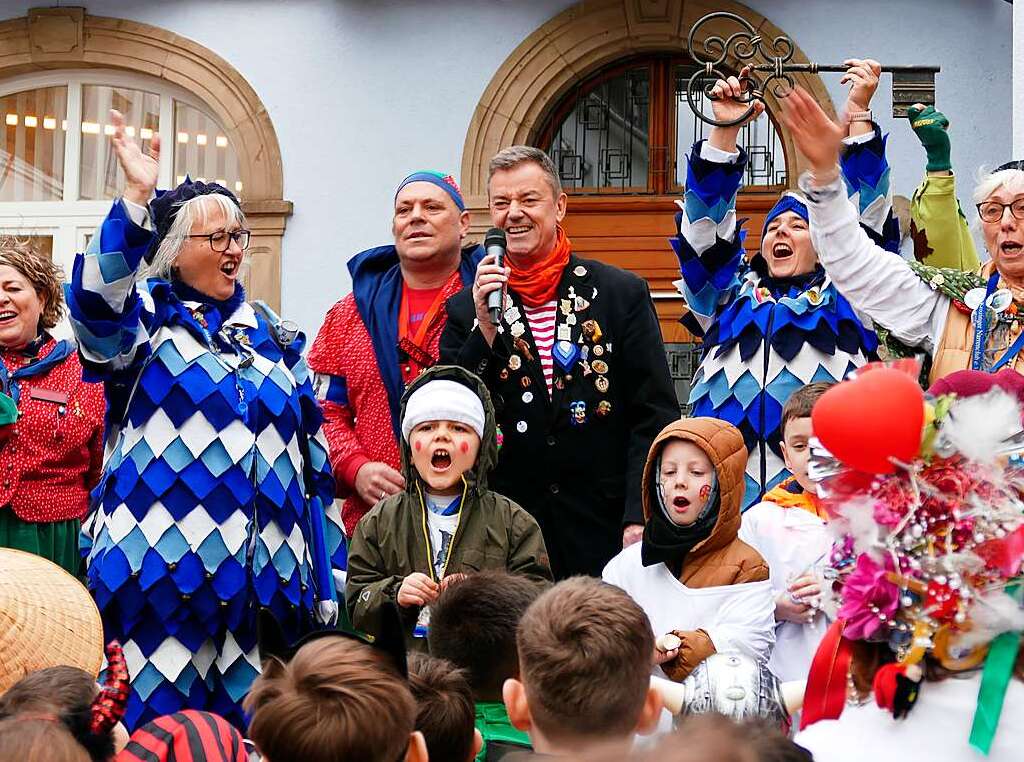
x=386 y=332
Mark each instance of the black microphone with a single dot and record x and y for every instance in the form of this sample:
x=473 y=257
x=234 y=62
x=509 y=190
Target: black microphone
x=494 y=243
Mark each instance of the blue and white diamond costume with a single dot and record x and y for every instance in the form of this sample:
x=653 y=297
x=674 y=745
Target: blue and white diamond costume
x=216 y=486
x=766 y=337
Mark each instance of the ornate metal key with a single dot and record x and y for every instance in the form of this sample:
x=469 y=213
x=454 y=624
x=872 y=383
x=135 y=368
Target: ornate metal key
x=910 y=84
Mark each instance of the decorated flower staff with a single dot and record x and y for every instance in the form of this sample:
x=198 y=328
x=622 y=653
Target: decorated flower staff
x=928 y=572
x=964 y=320
x=781 y=323
x=211 y=508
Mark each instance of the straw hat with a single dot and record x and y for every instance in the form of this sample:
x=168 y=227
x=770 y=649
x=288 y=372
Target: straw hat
x=47 y=619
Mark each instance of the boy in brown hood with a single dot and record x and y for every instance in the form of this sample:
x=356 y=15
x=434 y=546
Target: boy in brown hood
x=703 y=589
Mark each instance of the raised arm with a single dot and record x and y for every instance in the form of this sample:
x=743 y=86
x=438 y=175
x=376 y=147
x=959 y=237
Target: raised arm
x=875 y=282
x=937 y=223
x=709 y=246
x=106 y=311
x=863 y=163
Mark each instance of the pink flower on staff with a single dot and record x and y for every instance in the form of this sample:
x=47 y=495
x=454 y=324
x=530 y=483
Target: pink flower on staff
x=866 y=586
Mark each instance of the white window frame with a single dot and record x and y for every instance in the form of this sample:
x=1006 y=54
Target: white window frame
x=70 y=220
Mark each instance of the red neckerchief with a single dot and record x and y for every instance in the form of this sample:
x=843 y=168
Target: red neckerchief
x=536 y=284
x=414 y=346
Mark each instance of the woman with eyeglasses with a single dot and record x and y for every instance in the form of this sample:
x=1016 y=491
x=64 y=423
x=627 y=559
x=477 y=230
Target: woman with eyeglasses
x=212 y=508
x=964 y=320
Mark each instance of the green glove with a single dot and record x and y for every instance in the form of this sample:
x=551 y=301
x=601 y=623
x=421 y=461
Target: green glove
x=930 y=127
x=8 y=410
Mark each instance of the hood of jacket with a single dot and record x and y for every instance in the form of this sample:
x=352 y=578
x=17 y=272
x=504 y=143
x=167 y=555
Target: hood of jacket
x=476 y=477
x=723 y=444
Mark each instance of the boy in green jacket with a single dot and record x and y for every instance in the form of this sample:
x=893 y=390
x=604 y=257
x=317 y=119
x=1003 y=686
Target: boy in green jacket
x=446 y=523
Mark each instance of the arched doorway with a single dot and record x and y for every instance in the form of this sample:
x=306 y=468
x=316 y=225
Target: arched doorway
x=622 y=211
x=619 y=139
x=202 y=90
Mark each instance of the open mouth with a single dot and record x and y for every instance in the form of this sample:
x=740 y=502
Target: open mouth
x=230 y=267
x=7 y=315
x=518 y=229
x=1011 y=248
x=781 y=251
x=441 y=460
x=680 y=503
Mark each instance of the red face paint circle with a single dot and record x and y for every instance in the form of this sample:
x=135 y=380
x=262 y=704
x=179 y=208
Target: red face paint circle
x=705 y=491
x=418 y=445
x=464 y=446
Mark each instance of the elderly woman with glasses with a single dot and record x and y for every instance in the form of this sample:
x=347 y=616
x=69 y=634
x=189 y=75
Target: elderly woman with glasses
x=964 y=320
x=211 y=511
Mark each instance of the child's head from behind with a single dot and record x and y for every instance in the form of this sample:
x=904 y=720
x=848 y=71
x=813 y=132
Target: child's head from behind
x=443 y=424
x=445 y=713
x=473 y=625
x=585 y=662
x=39 y=738
x=67 y=693
x=796 y=431
x=687 y=481
x=336 y=699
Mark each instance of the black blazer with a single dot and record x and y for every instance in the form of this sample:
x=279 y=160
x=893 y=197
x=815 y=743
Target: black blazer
x=574 y=461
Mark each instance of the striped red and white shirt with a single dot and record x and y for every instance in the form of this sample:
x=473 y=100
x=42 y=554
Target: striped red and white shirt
x=542 y=326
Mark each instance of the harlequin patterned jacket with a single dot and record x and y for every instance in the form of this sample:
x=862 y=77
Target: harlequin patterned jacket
x=211 y=507
x=766 y=337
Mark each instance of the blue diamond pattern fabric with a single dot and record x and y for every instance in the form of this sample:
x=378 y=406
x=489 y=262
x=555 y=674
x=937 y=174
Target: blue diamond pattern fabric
x=217 y=492
x=763 y=338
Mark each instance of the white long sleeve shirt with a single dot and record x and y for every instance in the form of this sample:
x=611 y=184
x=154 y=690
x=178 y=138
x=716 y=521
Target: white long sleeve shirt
x=736 y=617
x=876 y=283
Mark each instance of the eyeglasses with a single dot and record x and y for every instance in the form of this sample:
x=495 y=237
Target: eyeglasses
x=221 y=240
x=992 y=211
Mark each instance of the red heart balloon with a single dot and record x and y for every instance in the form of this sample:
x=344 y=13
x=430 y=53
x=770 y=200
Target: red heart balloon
x=870 y=419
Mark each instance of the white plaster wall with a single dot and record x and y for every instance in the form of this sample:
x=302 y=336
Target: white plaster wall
x=1018 y=80
x=363 y=91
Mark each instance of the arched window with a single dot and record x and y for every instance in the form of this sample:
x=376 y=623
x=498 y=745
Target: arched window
x=58 y=171
x=619 y=138
x=627 y=129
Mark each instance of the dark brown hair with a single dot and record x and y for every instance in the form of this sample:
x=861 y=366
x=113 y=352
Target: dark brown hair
x=46 y=277
x=67 y=693
x=801 y=402
x=336 y=699
x=473 y=625
x=54 y=689
x=445 y=713
x=585 y=660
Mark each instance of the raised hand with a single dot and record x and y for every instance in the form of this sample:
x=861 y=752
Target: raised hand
x=816 y=136
x=931 y=127
x=141 y=170
x=862 y=76
x=727 y=104
x=489 y=277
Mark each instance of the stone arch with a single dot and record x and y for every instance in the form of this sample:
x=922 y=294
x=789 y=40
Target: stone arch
x=572 y=45
x=58 y=38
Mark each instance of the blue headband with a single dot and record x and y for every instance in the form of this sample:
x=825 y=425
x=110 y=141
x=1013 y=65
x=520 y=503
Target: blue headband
x=789 y=202
x=444 y=182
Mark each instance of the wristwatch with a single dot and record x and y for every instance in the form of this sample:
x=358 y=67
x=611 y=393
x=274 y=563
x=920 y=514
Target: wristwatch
x=860 y=116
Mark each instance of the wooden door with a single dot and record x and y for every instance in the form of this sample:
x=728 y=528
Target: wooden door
x=632 y=232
